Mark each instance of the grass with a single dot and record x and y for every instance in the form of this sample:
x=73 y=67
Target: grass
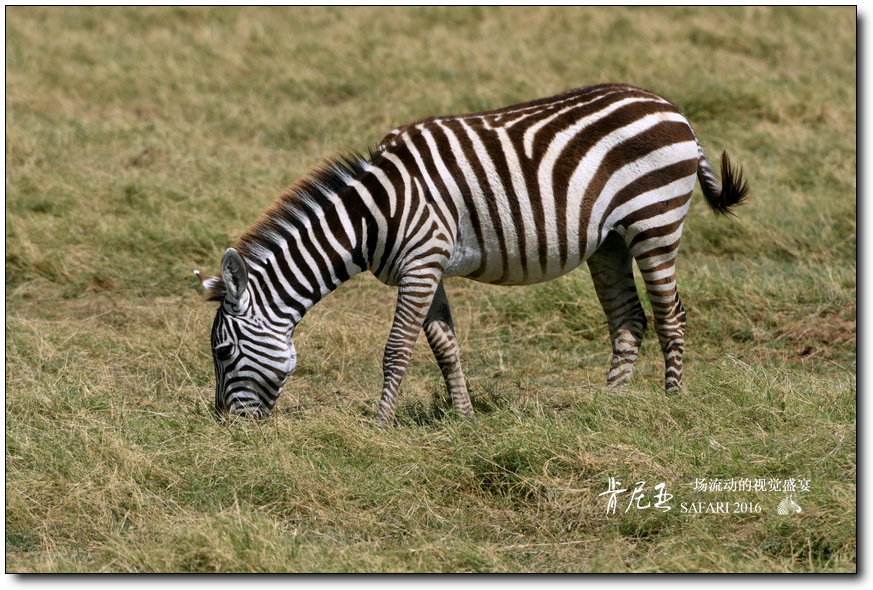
x=141 y=142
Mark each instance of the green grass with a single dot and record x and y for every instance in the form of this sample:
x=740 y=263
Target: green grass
x=141 y=142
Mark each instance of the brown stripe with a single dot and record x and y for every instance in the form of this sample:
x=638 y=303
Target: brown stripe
x=487 y=195
x=494 y=150
x=450 y=160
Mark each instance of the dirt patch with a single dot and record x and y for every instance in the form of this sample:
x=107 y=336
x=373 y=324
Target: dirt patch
x=820 y=332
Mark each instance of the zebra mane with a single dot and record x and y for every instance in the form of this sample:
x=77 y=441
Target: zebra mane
x=296 y=205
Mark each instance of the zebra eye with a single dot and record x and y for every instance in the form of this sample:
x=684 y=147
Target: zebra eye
x=223 y=352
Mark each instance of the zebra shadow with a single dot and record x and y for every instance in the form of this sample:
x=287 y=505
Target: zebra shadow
x=437 y=410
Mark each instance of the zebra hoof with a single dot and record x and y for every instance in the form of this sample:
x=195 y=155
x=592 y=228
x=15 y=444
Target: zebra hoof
x=385 y=424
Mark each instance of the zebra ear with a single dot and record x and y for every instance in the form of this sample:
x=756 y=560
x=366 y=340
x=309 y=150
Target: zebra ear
x=234 y=275
x=214 y=285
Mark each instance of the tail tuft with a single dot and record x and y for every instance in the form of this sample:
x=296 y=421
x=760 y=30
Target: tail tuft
x=729 y=193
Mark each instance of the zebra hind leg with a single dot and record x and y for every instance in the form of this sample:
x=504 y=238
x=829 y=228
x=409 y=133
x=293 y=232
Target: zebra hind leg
x=440 y=333
x=612 y=272
x=658 y=269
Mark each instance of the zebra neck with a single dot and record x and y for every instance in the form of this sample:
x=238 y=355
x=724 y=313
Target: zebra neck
x=313 y=239
x=290 y=275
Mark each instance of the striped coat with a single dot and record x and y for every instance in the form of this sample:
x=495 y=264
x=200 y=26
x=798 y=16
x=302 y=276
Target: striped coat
x=515 y=196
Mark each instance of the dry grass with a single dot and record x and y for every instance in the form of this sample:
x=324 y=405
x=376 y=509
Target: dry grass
x=141 y=142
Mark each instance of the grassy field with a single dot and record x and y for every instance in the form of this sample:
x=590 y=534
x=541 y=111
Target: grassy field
x=141 y=142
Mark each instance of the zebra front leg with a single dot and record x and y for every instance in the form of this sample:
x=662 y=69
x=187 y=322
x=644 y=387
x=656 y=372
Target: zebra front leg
x=414 y=297
x=612 y=272
x=440 y=331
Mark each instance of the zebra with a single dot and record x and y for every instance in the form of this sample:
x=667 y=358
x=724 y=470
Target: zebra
x=513 y=196
x=788 y=506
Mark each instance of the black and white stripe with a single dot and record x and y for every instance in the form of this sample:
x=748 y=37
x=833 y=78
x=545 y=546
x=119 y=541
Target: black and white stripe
x=515 y=196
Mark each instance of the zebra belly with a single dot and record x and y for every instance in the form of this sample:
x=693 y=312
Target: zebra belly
x=504 y=262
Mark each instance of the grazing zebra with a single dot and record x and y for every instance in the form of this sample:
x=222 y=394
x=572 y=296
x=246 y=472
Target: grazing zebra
x=514 y=196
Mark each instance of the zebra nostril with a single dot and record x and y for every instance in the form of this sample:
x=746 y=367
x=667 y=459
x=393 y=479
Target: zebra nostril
x=259 y=413
x=254 y=412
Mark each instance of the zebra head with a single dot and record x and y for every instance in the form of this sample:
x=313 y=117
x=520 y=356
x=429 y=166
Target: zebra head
x=252 y=358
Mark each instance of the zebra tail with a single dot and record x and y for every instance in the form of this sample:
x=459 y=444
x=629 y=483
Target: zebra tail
x=730 y=192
